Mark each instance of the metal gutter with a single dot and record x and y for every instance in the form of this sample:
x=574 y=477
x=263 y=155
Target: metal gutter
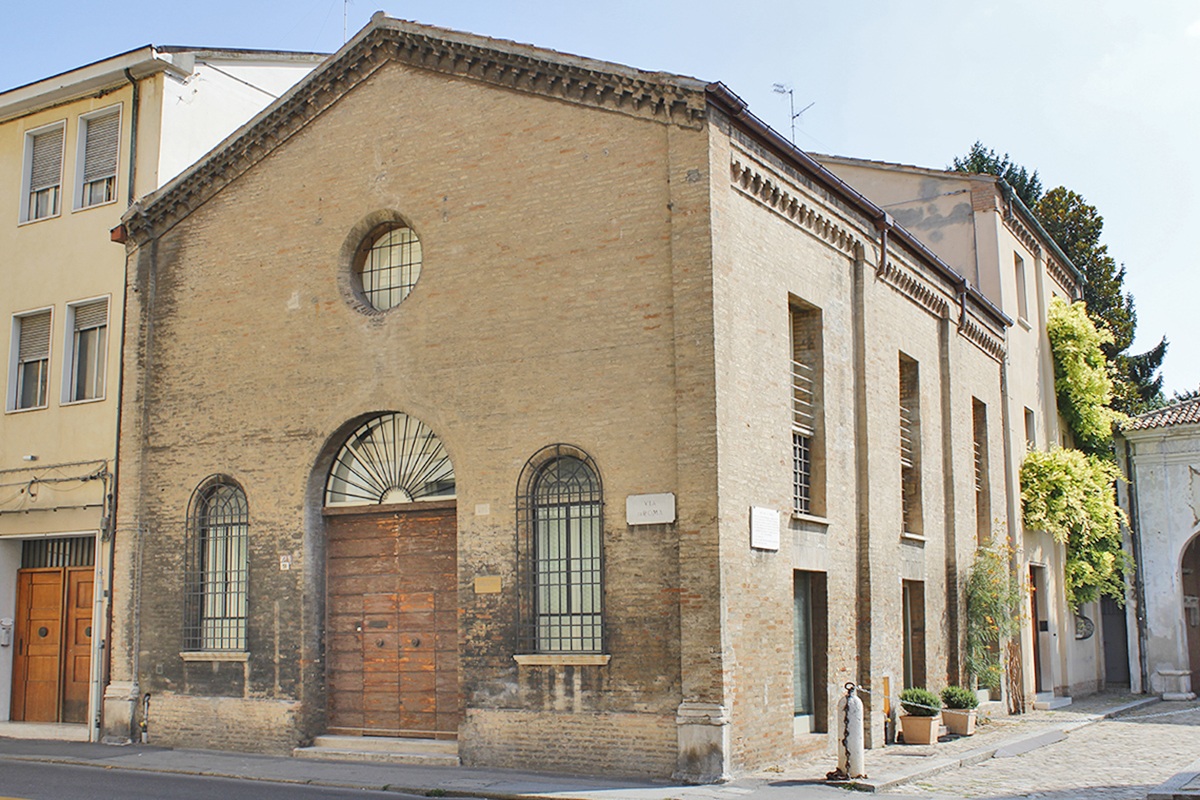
x=721 y=96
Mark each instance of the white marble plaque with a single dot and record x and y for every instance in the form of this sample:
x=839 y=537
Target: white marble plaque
x=649 y=509
x=764 y=528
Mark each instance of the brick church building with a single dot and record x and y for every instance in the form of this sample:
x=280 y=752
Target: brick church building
x=540 y=411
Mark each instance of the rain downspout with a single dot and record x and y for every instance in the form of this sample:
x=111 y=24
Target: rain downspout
x=1139 y=586
x=133 y=135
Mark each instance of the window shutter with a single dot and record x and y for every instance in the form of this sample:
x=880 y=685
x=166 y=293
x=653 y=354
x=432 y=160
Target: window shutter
x=35 y=337
x=91 y=315
x=100 y=152
x=47 y=160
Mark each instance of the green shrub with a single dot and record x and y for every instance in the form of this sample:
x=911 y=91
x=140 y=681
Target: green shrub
x=920 y=702
x=958 y=697
x=993 y=612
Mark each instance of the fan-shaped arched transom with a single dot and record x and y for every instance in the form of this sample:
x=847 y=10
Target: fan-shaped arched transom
x=391 y=458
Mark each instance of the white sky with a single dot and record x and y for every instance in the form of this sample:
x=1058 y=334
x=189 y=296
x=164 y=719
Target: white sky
x=1102 y=96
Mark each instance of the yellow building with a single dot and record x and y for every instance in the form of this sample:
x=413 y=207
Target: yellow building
x=75 y=150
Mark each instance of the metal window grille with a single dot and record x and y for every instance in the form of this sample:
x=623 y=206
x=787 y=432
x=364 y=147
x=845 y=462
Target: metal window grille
x=33 y=361
x=390 y=267
x=803 y=430
x=910 y=447
x=103 y=135
x=560 y=551
x=391 y=458
x=77 y=551
x=801 y=472
x=218 y=564
x=45 y=174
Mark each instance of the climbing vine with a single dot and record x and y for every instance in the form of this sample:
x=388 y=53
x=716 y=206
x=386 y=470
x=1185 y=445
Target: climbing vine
x=1070 y=495
x=1081 y=375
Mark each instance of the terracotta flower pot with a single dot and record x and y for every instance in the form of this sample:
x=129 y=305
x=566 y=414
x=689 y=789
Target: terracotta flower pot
x=920 y=730
x=959 y=721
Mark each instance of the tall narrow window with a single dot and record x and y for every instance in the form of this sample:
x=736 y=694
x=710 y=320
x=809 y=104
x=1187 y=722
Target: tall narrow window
x=33 y=361
x=44 y=170
x=808 y=450
x=982 y=490
x=913 y=610
x=1022 y=298
x=559 y=511
x=910 y=446
x=89 y=344
x=218 y=563
x=1030 y=431
x=100 y=137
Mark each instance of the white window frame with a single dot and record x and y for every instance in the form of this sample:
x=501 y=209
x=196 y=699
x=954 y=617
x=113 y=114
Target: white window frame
x=81 y=150
x=68 y=366
x=14 y=352
x=27 y=172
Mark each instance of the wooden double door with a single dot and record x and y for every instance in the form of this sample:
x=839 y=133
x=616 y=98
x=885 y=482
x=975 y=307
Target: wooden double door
x=52 y=658
x=392 y=621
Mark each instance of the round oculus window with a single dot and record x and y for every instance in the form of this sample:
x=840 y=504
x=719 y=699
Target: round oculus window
x=388 y=265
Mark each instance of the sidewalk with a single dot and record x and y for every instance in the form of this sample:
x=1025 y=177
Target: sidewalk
x=887 y=767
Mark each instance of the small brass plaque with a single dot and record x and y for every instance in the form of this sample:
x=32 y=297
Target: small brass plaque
x=487 y=584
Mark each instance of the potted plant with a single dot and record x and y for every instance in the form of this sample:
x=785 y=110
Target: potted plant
x=919 y=723
x=959 y=712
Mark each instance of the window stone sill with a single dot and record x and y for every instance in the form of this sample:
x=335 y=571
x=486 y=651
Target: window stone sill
x=215 y=655
x=562 y=659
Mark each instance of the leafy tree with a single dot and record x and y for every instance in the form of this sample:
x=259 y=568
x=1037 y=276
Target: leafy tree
x=1191 y=394
x=983 y=161
x=1081 y=376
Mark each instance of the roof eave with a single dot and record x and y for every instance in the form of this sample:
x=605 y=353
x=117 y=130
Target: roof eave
x=721 y=96
x=84 y=81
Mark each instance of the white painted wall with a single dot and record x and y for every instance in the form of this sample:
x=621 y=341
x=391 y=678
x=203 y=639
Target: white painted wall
x=198 y=112
x=10 y=561
x=1166 y=480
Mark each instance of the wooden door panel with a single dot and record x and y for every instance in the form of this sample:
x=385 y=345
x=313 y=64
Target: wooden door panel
x=37 y=662
x=78 y=645
x=390 y=580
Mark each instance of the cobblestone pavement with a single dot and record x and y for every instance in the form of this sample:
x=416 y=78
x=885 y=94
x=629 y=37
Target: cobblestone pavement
x=1123 y=757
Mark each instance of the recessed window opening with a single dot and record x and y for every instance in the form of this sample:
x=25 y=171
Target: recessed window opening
x=808 y=479
x=217 y=572
x=910 y=446
x=1022 y=298
x=101 y=138
x=44 y=170
x=89 y=346
x=982 y=489
x=388 y=265
x=913 y=610
x=1030 y=431
x=390 y=458
x=560 y=539
x=33 y=361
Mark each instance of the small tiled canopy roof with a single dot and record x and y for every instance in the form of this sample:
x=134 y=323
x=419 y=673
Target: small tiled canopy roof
x=1185 y=413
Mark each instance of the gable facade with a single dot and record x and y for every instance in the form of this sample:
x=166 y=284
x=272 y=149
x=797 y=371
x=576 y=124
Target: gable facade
x=612 y=567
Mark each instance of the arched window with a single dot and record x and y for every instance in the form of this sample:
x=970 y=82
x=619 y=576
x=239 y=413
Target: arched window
x=390 y=458
x=559 y=508
x=218 y=563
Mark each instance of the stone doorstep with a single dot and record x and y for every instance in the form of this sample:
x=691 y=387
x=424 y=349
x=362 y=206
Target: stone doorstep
x=382 y=749
x=1009 y=747
x=55 y=731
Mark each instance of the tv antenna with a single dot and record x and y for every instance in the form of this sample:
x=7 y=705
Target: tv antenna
x=781 y=88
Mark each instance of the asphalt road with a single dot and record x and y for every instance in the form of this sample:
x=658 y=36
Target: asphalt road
x=21 y=780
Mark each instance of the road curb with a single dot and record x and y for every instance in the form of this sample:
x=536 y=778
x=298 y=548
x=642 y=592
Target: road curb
x=1015 y=746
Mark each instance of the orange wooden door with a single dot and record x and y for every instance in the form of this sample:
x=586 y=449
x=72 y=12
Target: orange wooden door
x=36 y=663
x=77 y=656
x=392 y=623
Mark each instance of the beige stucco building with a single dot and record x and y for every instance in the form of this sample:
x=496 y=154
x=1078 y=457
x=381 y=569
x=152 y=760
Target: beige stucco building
x=979 y=226
x=548 y=411
x=75 y=148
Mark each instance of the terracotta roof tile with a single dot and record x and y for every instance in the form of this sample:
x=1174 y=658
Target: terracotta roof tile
x=1185 y=413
